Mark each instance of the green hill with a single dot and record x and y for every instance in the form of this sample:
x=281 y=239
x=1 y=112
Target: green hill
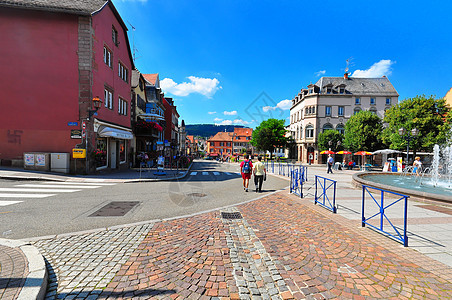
x=208 y=130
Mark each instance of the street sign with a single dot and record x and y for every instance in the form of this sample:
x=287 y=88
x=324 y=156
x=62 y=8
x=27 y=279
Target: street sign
x=79 y=153
x=76 y=134
x=72 y=124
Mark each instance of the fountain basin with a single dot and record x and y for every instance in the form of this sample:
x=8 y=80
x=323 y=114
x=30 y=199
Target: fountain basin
x=405 y=184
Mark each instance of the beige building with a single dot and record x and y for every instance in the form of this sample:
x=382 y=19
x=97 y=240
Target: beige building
x=329 y=103
x=448 y=97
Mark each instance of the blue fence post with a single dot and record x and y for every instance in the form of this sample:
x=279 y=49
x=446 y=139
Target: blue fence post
x=363 y=219
x=405 y=238
x=334 y=199
x=315 y=196
x=382 y=211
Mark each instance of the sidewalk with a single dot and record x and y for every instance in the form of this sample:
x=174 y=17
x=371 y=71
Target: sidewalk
x=282 y=247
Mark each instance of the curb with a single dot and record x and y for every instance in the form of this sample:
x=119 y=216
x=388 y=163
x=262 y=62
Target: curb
x=36 y=281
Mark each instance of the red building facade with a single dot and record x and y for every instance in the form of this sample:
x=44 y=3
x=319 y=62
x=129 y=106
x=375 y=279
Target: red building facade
x=55 y=59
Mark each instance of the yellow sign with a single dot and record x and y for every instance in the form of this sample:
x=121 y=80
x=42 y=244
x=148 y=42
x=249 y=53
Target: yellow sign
x=78 y=153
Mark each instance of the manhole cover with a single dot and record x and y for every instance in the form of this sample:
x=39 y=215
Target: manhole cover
x=231 y=215
x=115 y=209
x=199 y=195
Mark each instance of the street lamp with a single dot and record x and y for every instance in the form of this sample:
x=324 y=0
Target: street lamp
x=408 y=136
x=97 y=103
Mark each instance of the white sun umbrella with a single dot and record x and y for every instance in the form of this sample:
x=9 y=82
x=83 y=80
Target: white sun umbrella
x=386 y=151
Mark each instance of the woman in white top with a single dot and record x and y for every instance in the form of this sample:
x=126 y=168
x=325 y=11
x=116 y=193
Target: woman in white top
x=417 y=165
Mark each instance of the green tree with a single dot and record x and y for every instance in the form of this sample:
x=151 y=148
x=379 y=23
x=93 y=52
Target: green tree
x=362 y=132
x=429 y=115
x=270 y=134
x=336 y=138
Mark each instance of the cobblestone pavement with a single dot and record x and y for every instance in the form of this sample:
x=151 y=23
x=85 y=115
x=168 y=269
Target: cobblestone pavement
x=13 y=271
x=283 y=248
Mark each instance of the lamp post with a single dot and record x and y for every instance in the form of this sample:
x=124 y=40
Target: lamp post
x=408 y=136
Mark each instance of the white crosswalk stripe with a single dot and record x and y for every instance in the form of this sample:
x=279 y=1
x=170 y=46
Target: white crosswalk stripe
x=216 y=173
x=83 y=183
x=4 y=195
x=5 y=203
x=60 y=186
x=193 y=173
x=205 y=173
x=37 y=190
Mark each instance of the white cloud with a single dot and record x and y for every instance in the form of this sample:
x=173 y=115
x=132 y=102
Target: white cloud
x=383 y=67
x=320 y=73
x=212 y=112
x=230 y=113
x=204 y=86
x=217 y=120
x=283 y=105
x=241 y=122
x=225 y=122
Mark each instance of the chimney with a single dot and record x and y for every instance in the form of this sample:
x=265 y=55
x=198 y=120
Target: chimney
x=346 y=75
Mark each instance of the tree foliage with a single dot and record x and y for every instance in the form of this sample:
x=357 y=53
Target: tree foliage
x=429 y=115
x=270 y=134
x=362 y=132
x=336 y=138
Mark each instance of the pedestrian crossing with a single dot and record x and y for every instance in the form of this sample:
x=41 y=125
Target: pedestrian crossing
x=44 y=190
x=194 y=173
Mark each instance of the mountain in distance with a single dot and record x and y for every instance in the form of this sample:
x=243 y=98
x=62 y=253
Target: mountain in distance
x=208 y=130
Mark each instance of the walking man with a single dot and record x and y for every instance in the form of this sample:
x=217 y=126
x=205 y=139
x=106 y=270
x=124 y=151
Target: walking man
x=330 y=163
x=245 y=168
x=259 y=174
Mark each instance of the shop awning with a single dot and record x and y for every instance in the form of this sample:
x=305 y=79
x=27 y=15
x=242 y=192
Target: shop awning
x=114 y=133
x=151 y=116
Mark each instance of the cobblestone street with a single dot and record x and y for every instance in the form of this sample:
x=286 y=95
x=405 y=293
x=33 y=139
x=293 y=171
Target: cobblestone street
x=284 y=247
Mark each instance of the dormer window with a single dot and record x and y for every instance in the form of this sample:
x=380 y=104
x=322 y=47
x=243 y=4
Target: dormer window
x=329 y=90
x=342 y=90
x=311 y=90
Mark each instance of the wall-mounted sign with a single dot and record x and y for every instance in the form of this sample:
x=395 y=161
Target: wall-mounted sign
x=29 y=159
x=72 y=124
x=83 y=129
x=40 y=160
x=78 y=153
x=76 y=134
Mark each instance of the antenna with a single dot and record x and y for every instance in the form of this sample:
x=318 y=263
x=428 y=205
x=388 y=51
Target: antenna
x=134 y=49
x=348 y=64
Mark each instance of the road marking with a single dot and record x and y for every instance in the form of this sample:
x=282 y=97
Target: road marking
x=37 y=190
x=216 y=173
x=193 y=173
x=5 y=203
x=60 y=186
x=205 y=173
x=25 y=195
x=84 y=183
x=227 y=173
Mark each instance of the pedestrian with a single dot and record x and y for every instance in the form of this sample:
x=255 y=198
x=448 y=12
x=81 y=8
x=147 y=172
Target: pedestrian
x=417 y=164
x=259 y=174
x=245 y=168
x=311 y=157
x=330 y=163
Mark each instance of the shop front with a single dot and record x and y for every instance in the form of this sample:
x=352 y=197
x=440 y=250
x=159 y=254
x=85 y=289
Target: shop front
x=112 y=146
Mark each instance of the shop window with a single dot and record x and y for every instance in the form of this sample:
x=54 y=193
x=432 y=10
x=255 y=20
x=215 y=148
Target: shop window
x=100 y=154
x=122 y=151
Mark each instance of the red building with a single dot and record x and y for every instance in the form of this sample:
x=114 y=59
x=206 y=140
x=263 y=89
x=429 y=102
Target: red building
x=56 y=57
x=172 y=125
x=220 y=144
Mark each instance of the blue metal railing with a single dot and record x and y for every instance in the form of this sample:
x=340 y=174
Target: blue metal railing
x=296 y=182
x=285 y=169
x=403 y=238
x=323 y=199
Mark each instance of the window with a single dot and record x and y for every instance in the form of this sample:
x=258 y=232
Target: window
x=114 y=36
x=357 y=110
x=108 y=98
x=372 y=101
x=340 y=111
x=122 y=107
x=301 y=133
x=229 y=144
x=221 y=144
x=373 y=110
x=212 y=143
x=311 y=91
x=388 y=101
x=341 y=90
x=108 y=57
x=327 y=110
x=122 y=151
x=328 y=90
x=313 y=109
x=357 y=101
x=340 y=128
x=123 y=72
x=309 y=131
x=101 y=153
x=327 y=127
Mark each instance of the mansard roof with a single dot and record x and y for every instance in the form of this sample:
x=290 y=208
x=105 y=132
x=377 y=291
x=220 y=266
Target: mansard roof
x=360 y=86
x=79 y=7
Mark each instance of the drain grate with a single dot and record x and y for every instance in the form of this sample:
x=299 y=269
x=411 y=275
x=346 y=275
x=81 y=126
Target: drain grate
x=231 y=215
x=115 y=209
x=199 y=195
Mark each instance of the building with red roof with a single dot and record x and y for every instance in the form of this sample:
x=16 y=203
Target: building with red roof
x=242 y=138
x=220 y=144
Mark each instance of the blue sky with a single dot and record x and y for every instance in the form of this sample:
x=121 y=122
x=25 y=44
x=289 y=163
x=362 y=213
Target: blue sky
x=240 y=62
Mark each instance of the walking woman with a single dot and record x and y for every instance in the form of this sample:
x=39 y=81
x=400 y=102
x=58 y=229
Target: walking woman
x=259 y=174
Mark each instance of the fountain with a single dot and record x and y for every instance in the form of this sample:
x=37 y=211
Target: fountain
x=433 y=182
